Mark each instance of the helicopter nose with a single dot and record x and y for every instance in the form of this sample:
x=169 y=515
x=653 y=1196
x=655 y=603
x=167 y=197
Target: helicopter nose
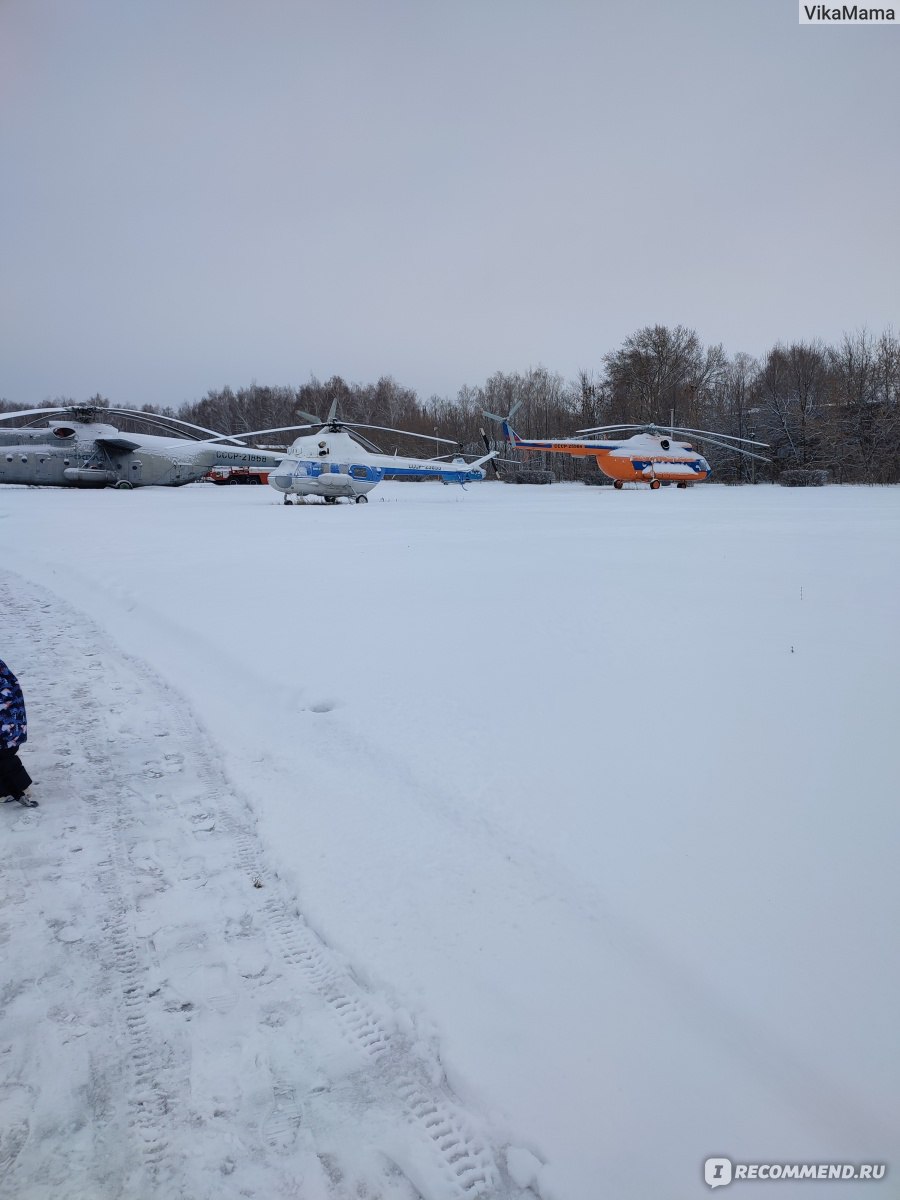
x=281 y=482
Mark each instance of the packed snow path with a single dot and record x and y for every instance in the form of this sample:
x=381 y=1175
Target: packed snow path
x=209 y=1043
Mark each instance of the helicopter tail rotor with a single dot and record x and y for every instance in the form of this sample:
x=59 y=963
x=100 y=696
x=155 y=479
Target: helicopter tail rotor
x=503 y=420
x=487 y=445
x=497 y=460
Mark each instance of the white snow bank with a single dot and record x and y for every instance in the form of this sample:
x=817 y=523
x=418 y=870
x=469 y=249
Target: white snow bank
x=598 y=786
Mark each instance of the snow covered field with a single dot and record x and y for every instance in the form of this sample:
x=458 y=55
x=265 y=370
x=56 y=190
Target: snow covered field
x=508 y=841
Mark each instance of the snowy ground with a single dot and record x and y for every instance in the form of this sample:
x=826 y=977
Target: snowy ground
x=508 y=841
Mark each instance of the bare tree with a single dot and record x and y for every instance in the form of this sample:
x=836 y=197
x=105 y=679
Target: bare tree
x=791 y=390
x=660 y=374
x=835 y=407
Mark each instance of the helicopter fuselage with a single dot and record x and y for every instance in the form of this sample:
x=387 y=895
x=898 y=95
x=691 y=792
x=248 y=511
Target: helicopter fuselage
x=75 y=454
x=335 y=466
x=644 y=458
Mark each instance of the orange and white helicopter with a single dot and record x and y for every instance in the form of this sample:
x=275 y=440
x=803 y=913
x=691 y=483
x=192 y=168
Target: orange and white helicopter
x=653 y=455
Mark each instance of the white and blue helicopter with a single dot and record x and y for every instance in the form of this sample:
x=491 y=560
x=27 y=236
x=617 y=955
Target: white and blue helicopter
x=335 y=464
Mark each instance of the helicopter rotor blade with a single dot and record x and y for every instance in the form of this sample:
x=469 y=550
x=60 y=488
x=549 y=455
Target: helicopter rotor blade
x=365 y=442
x=88 y=413
x=427 y=437
x=225 y=437
x=451 y=454
x=613 y=428
x=673 y=432
x=152 y=423
x=335 y=424
x=736 y=449
x=728 y=436
x=159 y=421
x=488 y=447
x=301 y=412
x=35 y=412
x=161 y=418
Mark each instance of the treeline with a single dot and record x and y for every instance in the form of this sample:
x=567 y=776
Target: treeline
x=820 y=408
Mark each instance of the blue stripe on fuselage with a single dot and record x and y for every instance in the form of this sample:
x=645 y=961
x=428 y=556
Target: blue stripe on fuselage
x=461 y=476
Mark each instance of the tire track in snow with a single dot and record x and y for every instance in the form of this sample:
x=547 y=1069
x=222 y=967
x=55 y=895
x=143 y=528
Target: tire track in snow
x=463 y=1164
x=152 y=1104
x=120 y=974
x=165 y=825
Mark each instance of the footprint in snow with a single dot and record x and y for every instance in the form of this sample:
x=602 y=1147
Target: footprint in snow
x=16 y=1102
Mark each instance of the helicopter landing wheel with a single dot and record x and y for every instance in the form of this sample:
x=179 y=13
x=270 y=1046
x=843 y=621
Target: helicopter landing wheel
x=331 y=499
x=287 y=500
x=125 y=485
x=682 y=485
x=618 y=485
x=362 y=499
x=654 y=484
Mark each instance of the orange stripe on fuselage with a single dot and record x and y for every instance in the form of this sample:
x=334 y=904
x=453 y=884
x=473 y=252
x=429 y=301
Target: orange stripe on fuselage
x=624 y=469
x=564 y=448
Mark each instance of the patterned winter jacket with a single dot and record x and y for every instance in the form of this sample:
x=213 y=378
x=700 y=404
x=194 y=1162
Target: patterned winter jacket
x=13 y=726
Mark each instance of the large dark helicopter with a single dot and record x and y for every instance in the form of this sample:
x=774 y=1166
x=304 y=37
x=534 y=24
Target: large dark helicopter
x=76 y=448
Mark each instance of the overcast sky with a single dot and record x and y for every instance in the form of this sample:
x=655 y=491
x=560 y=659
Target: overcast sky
x=196 y=193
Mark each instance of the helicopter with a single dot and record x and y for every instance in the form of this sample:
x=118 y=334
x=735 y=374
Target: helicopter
x=652 y=455
x=78 y=449
x=336 y=464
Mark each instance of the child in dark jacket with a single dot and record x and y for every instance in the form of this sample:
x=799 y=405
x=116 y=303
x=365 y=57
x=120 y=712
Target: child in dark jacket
x=14 y=779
